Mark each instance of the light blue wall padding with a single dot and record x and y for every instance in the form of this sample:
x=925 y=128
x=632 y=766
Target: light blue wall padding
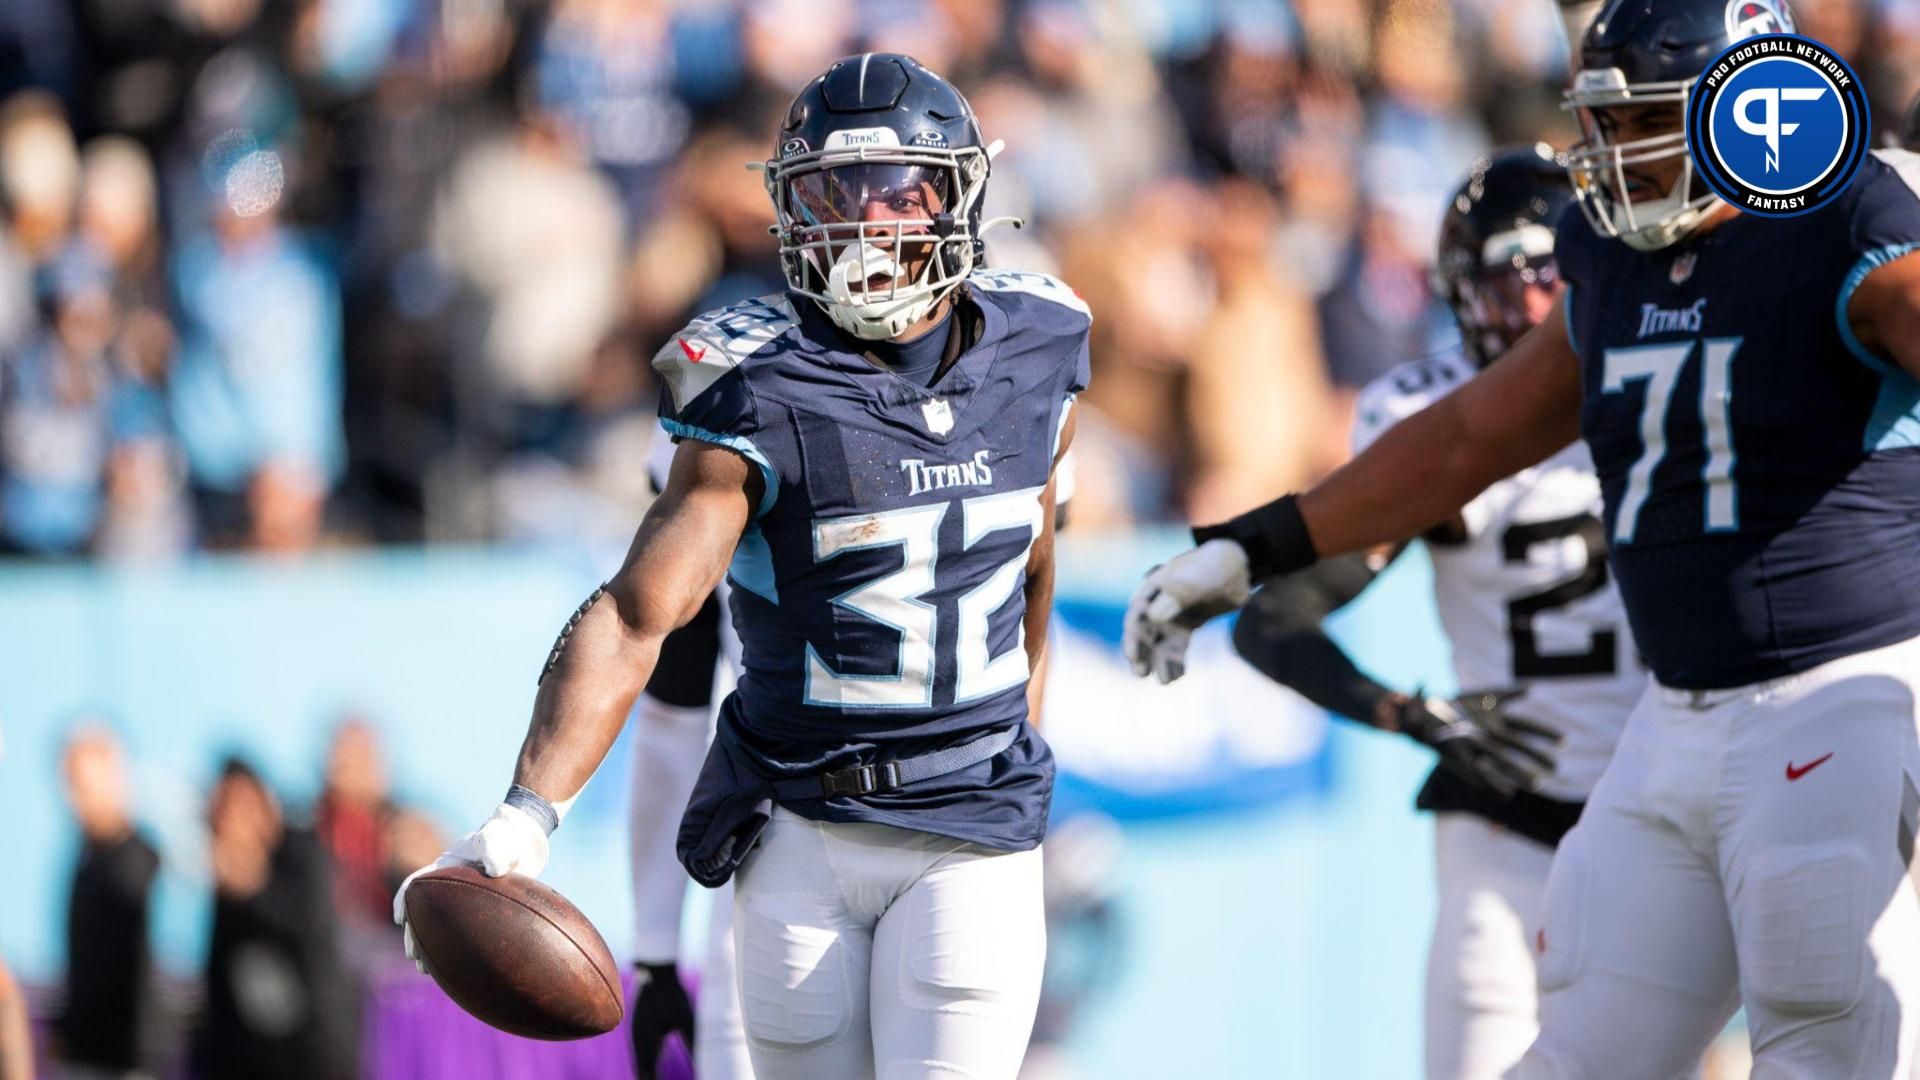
x=1283 y=938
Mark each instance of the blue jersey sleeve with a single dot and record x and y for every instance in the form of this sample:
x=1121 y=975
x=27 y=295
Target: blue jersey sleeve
x=708 y=395
x=1082 y=364
x=1883 y=224
x=1886 y=211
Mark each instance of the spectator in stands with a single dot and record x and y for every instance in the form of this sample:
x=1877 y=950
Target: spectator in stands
x=103 y=1031
x=39 y=173
x=256 y=392
x=539 y=291
x=606 y=70
x=278 y=1001
x=371 y=839
x=65 y=406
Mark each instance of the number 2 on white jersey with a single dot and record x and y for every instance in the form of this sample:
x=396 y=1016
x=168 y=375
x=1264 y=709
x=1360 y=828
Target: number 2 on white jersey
x=1658 y=366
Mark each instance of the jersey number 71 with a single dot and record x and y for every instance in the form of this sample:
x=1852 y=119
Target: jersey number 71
x=1659 y=366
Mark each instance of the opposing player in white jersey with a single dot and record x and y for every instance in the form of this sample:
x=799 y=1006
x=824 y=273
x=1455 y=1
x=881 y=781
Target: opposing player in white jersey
x=1520 y=581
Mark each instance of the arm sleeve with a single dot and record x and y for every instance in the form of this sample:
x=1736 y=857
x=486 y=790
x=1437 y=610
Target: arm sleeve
x=1886 y=213
x=1279 y=633
x=1883 y=225
x=1082 y=361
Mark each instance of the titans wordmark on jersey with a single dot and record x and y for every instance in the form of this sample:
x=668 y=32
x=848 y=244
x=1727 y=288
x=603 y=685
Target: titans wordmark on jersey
x=1525 y=596
x=879 y=592
x=1761 y=469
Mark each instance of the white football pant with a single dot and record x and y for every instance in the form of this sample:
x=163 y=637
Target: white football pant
x=870 y=951
x=1480 y=1008
x=1745 y=846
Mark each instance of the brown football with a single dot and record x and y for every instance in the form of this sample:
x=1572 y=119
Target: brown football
x=514 y=953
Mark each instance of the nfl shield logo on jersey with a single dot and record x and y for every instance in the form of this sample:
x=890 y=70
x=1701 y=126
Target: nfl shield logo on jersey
x=939 y=415
x=1682 y=268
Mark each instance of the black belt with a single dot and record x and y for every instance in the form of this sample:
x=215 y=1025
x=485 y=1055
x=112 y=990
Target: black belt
x=888 y=775
x=1536 y=817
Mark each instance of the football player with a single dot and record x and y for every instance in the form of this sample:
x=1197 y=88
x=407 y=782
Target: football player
x=1520 y=581
x=1747 y=389
x=673 y=723
x=873 y=453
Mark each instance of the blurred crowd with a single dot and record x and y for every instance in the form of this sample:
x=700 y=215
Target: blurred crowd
x=301 y=919
x=280 y=275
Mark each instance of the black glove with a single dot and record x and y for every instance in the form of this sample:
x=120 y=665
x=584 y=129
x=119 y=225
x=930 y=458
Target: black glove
x=661 y=1008
x=1480 y=742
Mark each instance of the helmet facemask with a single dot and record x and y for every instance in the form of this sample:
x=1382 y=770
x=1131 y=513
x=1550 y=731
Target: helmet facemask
x=878 y=235
x=1600 y=167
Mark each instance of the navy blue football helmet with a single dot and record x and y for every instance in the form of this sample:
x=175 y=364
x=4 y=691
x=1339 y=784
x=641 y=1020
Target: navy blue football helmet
x=1495 y=266
x=1649 y=52
x=877 y=180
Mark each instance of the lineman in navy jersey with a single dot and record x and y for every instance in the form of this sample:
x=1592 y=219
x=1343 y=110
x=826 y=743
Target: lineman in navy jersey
x=874 y=789
x=1748 y=390
x=1521 y=585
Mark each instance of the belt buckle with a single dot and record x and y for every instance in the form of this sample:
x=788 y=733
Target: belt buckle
x=860 y=780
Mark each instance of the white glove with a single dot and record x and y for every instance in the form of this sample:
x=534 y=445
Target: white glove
x=1178 y=596
x=509 y=842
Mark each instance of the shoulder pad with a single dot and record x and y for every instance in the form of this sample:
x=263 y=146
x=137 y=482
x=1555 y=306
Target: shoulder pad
x=1404 y=391
x=719 y=341
x=1044 y=286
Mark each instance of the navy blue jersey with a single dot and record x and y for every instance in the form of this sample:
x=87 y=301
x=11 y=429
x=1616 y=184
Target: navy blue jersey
x=879 y=592
x=1760 y=468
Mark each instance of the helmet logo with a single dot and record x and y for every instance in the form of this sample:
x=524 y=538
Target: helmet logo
x=1777 y=124
x=792 y=147
x=1748 y=18
x=936 y=139
x=852 y=138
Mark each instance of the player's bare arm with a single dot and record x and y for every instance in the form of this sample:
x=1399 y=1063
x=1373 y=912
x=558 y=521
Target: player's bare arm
x=1516 y=413
x=604 y=657
x=1885 y=312
x=678 y=556
x=1039 y=587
